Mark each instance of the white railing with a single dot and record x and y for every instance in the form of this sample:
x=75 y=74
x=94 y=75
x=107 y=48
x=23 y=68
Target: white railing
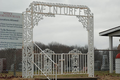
x=41 y=71
x=38 y=64
x=73 y=62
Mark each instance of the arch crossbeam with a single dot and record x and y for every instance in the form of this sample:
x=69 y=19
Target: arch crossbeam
x=60 y=9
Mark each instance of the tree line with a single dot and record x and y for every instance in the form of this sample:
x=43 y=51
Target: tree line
x=54 y=46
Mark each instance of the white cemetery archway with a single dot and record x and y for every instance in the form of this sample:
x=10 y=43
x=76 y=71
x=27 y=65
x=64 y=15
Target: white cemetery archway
x=36 y=12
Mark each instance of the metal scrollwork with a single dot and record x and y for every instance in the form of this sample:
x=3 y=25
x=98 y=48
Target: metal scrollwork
x=75 y=60
x=47 y=62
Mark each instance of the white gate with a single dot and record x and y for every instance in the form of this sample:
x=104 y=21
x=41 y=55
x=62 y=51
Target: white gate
x=36 y=12
x=73 y=62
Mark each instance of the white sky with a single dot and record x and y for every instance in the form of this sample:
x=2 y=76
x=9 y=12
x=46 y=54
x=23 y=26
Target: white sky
x=67 y=30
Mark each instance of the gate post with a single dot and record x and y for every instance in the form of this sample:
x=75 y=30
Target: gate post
x=90 y=46
x=27 y=48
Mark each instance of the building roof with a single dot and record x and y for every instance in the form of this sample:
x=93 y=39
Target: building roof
x=111 y=32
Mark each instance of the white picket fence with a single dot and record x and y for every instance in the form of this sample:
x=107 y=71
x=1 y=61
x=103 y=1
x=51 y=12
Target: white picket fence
x=49 y=63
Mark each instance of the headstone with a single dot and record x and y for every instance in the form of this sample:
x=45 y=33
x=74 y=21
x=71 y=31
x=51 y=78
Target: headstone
x=105 y=64
x=97 y=65
x=12 y=67
x=3 y=66
x=20 y=67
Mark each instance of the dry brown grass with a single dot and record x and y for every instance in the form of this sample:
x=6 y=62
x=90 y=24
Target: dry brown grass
x=105 y=75
x=102 y=75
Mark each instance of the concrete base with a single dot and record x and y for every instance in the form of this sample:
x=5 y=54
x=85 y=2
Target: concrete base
x=82 y=78
x=117 y=66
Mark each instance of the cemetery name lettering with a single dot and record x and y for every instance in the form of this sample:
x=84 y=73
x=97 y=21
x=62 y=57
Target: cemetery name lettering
x=60 y=9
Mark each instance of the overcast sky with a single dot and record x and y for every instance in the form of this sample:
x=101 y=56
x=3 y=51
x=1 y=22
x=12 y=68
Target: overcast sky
x=68 y=30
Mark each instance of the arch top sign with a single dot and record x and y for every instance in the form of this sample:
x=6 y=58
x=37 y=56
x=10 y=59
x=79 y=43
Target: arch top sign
x=59 y=9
